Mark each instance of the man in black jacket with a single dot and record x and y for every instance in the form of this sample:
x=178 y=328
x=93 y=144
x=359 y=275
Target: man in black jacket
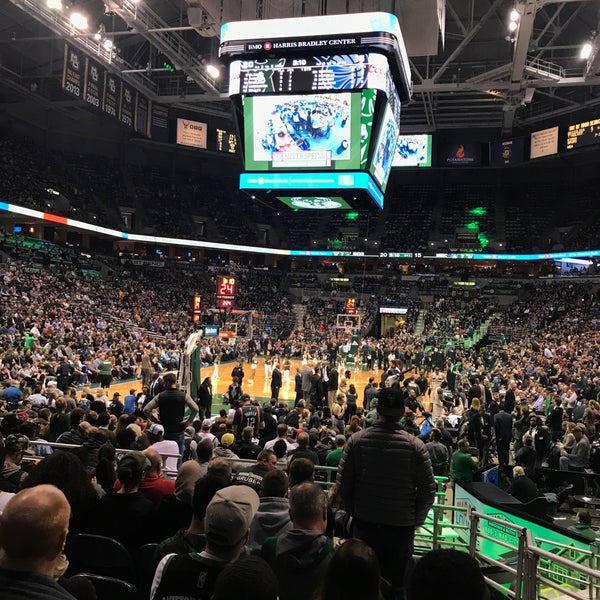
x=388 y=497
x=503 y=426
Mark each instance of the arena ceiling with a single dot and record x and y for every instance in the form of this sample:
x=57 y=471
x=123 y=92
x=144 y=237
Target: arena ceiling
x=480 y=74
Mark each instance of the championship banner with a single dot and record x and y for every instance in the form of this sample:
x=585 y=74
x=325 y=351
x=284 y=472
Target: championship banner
x=110 y=98
x=93 y=83
x=126 y=105
x=159 y=123
x=141 y=120
x=73 y=68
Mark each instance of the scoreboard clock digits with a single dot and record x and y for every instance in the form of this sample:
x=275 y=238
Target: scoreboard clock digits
x=226 y=287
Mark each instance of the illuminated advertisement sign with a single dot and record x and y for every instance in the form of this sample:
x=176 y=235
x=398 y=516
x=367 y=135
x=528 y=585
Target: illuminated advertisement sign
x=301 y=181
x=461 y=154
x=583 y=134
x=191 y=133
x=413 y=151
x=544 y=142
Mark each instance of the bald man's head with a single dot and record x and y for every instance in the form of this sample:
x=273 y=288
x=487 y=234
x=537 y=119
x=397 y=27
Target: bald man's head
x=34 y=525
x=156 y=461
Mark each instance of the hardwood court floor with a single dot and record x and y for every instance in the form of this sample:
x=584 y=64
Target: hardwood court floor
x=260 y=388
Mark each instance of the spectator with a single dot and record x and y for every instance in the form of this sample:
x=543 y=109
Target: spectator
x=65 y=471
x=272 y=517
x=252 y=476
x=175 y=511
x=127 y=514
x=224 y=450
x=227 y=526
x=282 y=434
x=153 y=486
x=442 y=570
x=299 y=556
x=583 y=526
x=352 y=574
x=12 y=474
x=192 y=538
x=438 y=453
x=106 y=474
x=302 y=450
x=525 y=456
x=250 y=578
x=75 y=435
x=580 y=455
x=204 y=454
x=171 y=405
x=334 y=457
x=34 y=527
x=129 y=402
x=60 y=421
x=463 y=465
x=523 y=488
x=245 y=448
x=301 y=470
x=155 y=435
x=205 y=433
x=387 y=499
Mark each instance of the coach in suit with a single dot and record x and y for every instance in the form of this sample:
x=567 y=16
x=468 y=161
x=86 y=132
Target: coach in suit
x=275 y=382
x=503 y=426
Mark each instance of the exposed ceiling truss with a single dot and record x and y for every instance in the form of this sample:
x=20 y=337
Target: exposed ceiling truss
x=484 y=75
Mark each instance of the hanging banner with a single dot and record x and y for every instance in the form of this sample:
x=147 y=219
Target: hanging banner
x=73 y=67
x=159 y=123
x=141 y=120
x=110 y=98
x=126 y=105
x=93 y=83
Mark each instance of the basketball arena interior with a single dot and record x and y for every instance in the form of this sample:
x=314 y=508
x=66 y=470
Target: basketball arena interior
x=321 y=234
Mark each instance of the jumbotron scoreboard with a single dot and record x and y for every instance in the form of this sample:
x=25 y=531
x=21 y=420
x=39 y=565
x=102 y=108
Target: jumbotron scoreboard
x=319 y=114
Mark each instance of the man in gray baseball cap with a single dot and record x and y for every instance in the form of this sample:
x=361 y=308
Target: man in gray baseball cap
x=227 y=526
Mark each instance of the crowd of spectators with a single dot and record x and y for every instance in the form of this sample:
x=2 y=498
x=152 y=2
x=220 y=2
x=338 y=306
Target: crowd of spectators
x=558 y=365
x=176 y=202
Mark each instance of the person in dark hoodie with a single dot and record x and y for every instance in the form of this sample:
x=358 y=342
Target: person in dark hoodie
x=273 y=515
x=300 y=555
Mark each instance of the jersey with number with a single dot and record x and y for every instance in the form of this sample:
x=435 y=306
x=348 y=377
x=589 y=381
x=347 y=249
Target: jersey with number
x=247 y=416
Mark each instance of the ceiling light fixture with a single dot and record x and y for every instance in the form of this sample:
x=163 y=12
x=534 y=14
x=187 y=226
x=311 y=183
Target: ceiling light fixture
x=78 y=21
x=54 y=4
x=213 y=71
x=586 y=51
x=108 y=44
x=513 y=24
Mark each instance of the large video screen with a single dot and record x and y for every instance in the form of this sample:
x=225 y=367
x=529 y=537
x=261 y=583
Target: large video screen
x=314 y=202
x=385 y=148
x=413 y=151
x=312 y=131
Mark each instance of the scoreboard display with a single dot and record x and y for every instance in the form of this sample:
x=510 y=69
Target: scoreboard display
x=309 y=73
x=196 y=308
x=583 y=134
x=317 y=103
x=226 y=289
x=351 y=306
